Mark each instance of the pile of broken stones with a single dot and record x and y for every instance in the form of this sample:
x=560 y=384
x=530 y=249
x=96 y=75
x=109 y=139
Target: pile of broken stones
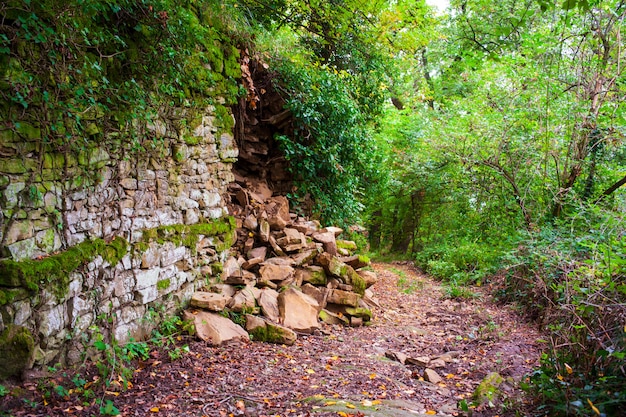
x=286 y=275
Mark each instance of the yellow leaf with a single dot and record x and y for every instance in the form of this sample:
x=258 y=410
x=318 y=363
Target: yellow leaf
x=310 y=371
x=431 y=412
x=350 y=405
x=372 y=376
x=112 y=393
x=328 y=403
x=559 y=377
x=568 y=369
x=593 y=407
x=342 y=414
x=376 y=402
x=450 y=376
x=154 y=409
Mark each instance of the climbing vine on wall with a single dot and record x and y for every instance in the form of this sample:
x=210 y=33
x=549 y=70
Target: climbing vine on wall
x=74 y=73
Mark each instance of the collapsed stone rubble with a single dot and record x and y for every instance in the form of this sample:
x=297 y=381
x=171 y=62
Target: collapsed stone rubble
x=286 y=274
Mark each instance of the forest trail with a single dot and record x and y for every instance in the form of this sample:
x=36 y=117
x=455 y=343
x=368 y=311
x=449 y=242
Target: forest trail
x=342 y=371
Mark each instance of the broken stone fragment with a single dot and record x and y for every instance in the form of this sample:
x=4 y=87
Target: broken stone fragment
x=396 y=356
x=327 y=239
x=276 y=247
x=215 y=329
x=334 y=230
x=277 y=209
x=264 y=230
x=312 y=274
x=356 y=322
x=348 y=245
x=255 y=257
x=251 y=223
x=370 y=300
x=230 y=266
x=307 y=227
x=291 y=236
x=304 y=256
x=248 y=245
x=369 y=277
x=488 y=389
x=431 y=375
x=225 y=289
x=279 y=260
x=355 y=261
x=265 y=331
x=298 y=311
x=364 y=313
x=345 y=273
x=209 y=301
x=343 y=298
x=320 y=294
x=268 y=302
x=244 y=300
x=329 y=317
x=437 y=363
x=275 y=273
x=240 y=277
x=419 y=361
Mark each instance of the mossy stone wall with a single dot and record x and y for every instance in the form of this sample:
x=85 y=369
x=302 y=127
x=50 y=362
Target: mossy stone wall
x=95 y=240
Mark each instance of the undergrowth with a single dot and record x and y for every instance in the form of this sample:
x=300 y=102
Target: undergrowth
x=571 y=278
x=109 y=368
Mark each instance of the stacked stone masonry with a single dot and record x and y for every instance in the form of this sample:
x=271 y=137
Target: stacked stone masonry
x=165 y=203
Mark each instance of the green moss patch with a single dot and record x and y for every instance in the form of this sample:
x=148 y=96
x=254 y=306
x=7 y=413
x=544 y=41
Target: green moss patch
x=187 y=235
x=16 y=349
x=53 y=272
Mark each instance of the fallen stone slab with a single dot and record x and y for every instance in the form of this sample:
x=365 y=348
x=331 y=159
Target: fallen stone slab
x=355 y=261
x=432 y=376
x=209 y=301
x=312 y=274
x=275 y=273
x=266 y=331
x=329 y=317
x=298 y=311
x=345 y=298
x=268 y=302
x=396 y=356
x=215 y=329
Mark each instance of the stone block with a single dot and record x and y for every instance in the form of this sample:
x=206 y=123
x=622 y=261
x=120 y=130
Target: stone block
x=266 y=331
x=209 y=301
x=146 y=295
x=52 y=321
x=298 y=311
x=215 y=329
x=146 y=278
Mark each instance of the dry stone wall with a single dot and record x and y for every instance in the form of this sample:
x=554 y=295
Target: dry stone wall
x=94 y=241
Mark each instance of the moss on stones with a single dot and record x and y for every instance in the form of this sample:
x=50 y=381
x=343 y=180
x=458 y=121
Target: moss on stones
x=53 y=272
x=163 y=284
x=16 y=349
x=488 y=389
x=188 y=235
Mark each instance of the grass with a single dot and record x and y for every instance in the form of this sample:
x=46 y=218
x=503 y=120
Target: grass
x=405 y=284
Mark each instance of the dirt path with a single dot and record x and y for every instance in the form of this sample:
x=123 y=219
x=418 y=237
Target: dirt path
x=339 y=371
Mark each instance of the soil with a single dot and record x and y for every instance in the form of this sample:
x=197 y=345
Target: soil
x=337 y=371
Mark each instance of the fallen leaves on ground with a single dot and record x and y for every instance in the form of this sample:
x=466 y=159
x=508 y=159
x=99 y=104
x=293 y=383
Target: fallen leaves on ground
x=335 y=367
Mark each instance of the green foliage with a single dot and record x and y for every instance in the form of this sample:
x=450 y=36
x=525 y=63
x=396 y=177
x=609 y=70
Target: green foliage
x=109 y=409
x=337 y=63
x=78 y=73
x=571 y=277
x=53 y=272
x=331 y=151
